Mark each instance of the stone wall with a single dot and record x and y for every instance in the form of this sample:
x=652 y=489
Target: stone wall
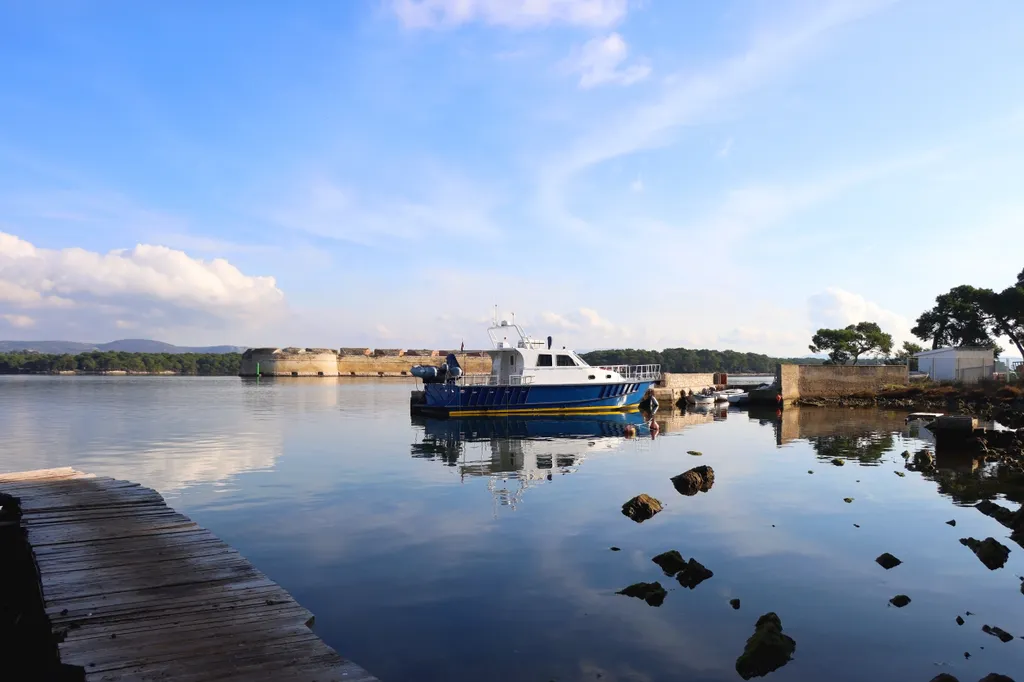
x=289 y=362
x=837 y=381
x=673 y=385
x=399 y=366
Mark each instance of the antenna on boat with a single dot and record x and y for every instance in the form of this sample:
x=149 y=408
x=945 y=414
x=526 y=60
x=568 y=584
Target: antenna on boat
x=495 y=318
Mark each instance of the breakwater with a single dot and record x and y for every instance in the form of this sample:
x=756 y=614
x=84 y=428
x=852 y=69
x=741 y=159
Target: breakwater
x=352 y=362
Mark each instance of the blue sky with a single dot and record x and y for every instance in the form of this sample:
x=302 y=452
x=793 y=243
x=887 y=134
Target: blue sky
x=618 y=173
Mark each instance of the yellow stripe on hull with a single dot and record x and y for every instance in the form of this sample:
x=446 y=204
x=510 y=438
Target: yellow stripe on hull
x=544 y=410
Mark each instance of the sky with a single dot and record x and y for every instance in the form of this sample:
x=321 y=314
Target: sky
x=616 y=173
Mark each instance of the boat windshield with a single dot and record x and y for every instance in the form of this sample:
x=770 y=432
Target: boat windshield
x=505 y=335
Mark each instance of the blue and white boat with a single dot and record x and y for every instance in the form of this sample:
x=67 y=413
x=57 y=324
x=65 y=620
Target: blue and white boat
x=528 y=376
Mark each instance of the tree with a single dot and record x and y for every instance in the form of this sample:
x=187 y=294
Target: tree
x=1007 y=312
x=960 y=318
x=905 y=355
x=850 y=343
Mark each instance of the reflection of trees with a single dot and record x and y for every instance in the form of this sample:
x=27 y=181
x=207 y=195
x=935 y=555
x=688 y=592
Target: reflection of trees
x=867 y=448
x=987 y=482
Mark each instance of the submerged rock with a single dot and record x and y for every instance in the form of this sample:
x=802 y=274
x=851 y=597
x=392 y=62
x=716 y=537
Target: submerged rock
x=838 y=462
x=990 y=551
x=847 y=500
x=735 y=603
x=693 y=574
x=906 y=454
x=888 y=561
x=696 y=480
x=766 y=650
x=652 y=593
x=900 y=474
x=671 y=562
x=944 y=677
x=1013 y=520
x=1002 y=634
x=615 y=549
x=900 y=600
x=695 y=453
x=996 y=677
x=641 y=508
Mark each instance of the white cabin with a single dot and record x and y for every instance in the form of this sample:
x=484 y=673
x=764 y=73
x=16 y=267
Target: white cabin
x=523 y=360
x=966 y=365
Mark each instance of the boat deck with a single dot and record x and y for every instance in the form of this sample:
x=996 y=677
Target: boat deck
x=139 y=592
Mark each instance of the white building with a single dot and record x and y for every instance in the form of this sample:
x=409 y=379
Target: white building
x=966 y=365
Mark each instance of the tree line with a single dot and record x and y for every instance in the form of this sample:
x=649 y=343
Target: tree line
x=199 y=364
x=686 y=360
x=964 y=316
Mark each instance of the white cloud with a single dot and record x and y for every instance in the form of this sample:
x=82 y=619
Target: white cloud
x=725 y=149
x=685 y=100
x=559 y=321
x=601 y=62
x=835 y=308
x=19 y=321
x=440 y=204
x=122 y=288
x=637 y=186
x=427 y=14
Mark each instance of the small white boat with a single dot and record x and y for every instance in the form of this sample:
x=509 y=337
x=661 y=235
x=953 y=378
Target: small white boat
x=741 y=398
x=698 y=399
x=723 y=396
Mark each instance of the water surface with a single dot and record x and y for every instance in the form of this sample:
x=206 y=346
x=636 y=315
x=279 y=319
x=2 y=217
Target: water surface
x=479 y=549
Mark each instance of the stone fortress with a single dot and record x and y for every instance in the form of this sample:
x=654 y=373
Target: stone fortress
x=352 y=362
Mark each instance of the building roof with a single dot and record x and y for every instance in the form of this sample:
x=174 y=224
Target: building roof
x=957 y=349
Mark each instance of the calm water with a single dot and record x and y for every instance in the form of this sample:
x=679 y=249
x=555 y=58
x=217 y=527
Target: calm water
x=450 y=551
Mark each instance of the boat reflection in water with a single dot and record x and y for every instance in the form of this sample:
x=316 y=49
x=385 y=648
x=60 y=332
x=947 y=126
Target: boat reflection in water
x=516 y=452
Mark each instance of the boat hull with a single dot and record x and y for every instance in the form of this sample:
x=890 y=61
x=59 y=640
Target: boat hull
x=456 y=400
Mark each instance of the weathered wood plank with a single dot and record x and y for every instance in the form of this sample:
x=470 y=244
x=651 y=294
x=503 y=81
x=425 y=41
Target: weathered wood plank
x=140 y=593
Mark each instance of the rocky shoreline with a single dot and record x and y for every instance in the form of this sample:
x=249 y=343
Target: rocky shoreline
x=1004 y=404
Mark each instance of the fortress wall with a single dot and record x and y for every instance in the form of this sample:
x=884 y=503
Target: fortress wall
x=289 y=363
x=396 y=366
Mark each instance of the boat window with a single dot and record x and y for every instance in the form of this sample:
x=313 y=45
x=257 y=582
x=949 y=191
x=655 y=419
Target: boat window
x=544 y=360
x=566 y=361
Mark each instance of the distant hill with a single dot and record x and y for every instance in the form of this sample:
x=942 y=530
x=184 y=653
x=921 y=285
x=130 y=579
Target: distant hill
x=123 y=345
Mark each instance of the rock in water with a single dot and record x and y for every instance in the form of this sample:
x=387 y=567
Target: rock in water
x=838 y=462
x=906 y=454
x=900 y=474
x=735 y=603
x=847 y=500
x=766 y=650
x=995 y=677
x=652 y=593
x=694 y=574
x=671 y=562
x=951 y=522
x=696 y=480
x=990 y=551
x=695 y=453
x=888 y=561
x=944 y=677
x=641 y=508
x=1002 y=634
x=615 y=549
x=900 y=600
x=959 y=620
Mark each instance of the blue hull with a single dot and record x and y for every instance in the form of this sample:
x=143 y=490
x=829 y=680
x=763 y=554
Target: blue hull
x=531 y=427
x=451 y=399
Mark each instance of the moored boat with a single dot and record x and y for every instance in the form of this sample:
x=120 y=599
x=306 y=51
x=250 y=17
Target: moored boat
x=528 y=376
x=741 y=398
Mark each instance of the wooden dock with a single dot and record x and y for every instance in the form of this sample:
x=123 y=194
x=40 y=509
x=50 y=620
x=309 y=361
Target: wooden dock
x=139 y=592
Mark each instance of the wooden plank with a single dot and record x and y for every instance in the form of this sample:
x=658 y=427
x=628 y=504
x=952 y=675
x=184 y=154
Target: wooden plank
x=139 y=592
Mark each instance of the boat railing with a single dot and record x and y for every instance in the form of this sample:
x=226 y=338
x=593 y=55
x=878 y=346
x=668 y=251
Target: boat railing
x=636 y=372
x=492 y=380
